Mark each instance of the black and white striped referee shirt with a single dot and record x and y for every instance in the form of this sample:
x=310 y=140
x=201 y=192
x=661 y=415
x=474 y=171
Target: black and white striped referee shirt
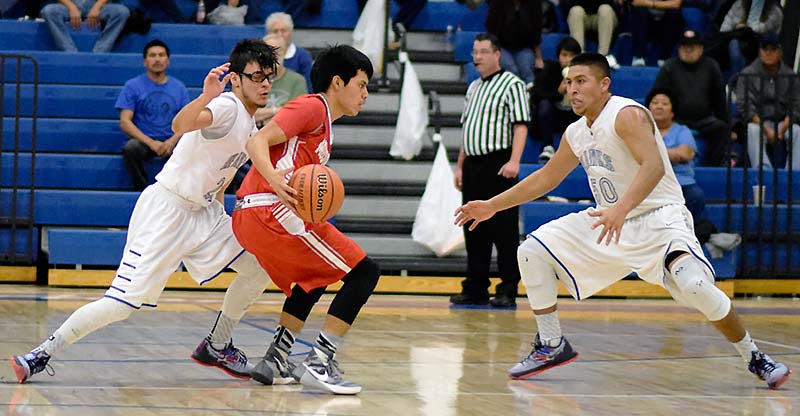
x=493 y=105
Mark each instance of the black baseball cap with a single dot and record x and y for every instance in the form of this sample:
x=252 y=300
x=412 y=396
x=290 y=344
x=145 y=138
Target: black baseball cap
x=770 y=40
x=690 y=38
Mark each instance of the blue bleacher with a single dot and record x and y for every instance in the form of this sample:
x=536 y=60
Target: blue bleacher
x=106 y=68
x=67 y=101
x=22 y=241
x=73 y=171
x=65 y=135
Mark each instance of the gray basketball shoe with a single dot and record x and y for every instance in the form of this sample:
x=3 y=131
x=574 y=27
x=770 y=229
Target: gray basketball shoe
x=229 y=359
x=543 y=357
x=25 y=366
x=322 y=372
x=766 y=369
x=274 y=368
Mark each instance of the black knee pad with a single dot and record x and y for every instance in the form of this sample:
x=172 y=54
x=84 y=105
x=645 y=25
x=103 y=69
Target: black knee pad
x=358 y=286
x=301 y=302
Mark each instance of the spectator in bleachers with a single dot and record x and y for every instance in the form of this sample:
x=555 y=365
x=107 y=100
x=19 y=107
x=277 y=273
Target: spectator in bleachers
x=768 y=94
x=286 y=86
x=681 y=147
x=100 y=14
x=553 y=112
x=297 y=59
x=595 y=15
x=738 y=39
x=518 y=26
x=147 y=105
x=696 y=81
x=659 y=21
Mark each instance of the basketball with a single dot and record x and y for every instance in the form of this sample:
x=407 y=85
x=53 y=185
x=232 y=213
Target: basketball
x=320 y=192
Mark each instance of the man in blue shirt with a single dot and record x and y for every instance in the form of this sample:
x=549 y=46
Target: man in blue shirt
x=147 y=105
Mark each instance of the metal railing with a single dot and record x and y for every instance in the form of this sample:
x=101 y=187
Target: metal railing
x=12 y=221
x=762 y=184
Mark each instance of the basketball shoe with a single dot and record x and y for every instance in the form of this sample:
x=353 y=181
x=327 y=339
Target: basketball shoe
x=29 y=364
x=230 y=359
x=274 y=368
x=321 y=371
x=766 y=369
x=543 y=357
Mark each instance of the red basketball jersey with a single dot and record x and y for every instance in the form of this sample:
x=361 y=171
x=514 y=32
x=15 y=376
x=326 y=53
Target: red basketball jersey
x=306 y=122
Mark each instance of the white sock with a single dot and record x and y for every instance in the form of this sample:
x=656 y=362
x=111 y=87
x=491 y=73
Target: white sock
x=549 y=328
x=746 y=347
x=87 y=319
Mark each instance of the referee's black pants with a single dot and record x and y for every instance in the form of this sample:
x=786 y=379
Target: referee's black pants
x=481 y=181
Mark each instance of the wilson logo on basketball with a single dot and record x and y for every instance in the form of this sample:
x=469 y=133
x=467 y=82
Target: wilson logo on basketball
x=322 y=190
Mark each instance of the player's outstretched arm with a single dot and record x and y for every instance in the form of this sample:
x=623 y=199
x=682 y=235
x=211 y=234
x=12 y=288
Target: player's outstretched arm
x=195 y=115
x=635 y=128
x=534 y=186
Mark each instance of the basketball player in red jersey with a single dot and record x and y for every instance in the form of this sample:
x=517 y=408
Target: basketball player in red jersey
x=310 y=256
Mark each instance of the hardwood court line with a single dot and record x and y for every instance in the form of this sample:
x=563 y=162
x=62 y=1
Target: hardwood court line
x=371 y=392
x=223 y=410
x=777 y=344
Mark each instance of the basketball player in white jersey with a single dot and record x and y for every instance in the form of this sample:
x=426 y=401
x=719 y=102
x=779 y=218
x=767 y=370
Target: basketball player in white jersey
x=639 y=225
x=181 y=218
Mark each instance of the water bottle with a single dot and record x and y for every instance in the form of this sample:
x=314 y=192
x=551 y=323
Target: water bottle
x=448 y=38
x=201 y=12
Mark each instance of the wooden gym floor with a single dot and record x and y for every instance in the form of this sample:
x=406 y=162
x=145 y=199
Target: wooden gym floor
x=413 y=354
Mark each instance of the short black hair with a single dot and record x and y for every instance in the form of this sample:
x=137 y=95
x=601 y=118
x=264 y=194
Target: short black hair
x=342 y=60
x=253 y=50
x=594 y=60
x=152 y=43
x=664 y=91
x=491 y=38
x=568 y=44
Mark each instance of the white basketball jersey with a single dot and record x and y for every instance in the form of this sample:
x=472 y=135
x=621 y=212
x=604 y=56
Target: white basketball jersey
x=610 y=165
x=200 y=167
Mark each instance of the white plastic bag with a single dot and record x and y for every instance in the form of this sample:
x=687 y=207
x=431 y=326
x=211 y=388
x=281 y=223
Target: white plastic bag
x=369 y=30
x=226 y=15
x=412 y=119
x=433 y=226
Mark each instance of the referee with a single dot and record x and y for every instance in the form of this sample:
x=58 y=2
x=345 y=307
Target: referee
x=494 y=131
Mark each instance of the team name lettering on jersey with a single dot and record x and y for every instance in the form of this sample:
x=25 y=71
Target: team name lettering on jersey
x=596 y=157
x=235 y=161
x=323 y=153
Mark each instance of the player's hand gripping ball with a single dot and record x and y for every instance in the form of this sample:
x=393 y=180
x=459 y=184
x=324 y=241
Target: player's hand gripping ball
x=320 y=192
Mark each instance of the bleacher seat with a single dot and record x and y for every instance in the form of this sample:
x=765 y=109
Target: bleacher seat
x=74 y=171
x=64 y=135
x=22 y=242
x=85 y=68
x=68 y=101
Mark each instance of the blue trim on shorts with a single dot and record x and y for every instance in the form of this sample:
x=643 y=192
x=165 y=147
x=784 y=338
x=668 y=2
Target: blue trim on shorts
x=128 y=303
x=703 y=261
x=666 y=253
x=574 y=283
x=223 y=269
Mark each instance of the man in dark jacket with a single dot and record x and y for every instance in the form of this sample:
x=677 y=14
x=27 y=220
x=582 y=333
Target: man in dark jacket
x=697 y=82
